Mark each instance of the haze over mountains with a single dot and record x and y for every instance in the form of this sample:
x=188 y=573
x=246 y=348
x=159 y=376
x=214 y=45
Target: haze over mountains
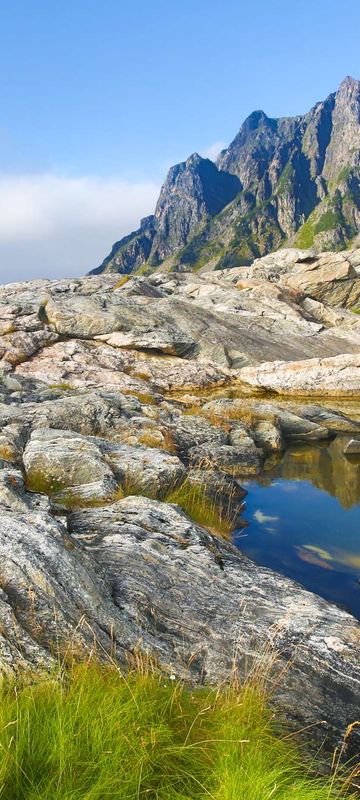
x=293 y=180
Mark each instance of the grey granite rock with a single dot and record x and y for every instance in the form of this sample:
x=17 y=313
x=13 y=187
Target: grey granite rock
x=334 y=377
x=139 y=573
x=213 y=606
x=143 y=387
x=242 y=458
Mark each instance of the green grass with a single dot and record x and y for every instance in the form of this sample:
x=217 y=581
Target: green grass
x=63 y=386
x=305 y=236
x=202 y=508
x=41 y=482
x=328 y=220
x=286 y=180
x=44 y=483
x=121 y=282
x=145 y=398
x=93 y=734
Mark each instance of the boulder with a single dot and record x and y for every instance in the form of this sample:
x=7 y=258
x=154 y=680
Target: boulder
x=330 y=278
x=193 y=429
x=89 y=413
x=144 y=469
x=15 y=348
x=68 y=467
x=267 y=422
x=326 y=377
x=240 y=460
x=268 y=437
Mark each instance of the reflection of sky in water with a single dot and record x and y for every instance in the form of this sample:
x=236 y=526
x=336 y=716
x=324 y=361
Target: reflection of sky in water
x=305 y=531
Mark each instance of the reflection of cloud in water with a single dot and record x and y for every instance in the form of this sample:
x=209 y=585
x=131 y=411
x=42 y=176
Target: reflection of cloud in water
x=262 y=518
x=286 y=486
x=319 y=551
x=321 y=558
x=311 y=558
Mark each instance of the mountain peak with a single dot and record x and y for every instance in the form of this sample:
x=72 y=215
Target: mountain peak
x=288 y=180
x=348 y=93
x=255 y=119
x=194 y=160
x=349 y=83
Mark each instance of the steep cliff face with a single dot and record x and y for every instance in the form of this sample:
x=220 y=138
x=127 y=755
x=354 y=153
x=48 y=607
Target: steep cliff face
x=132 y=251
x=294 y=180
x=194 y=192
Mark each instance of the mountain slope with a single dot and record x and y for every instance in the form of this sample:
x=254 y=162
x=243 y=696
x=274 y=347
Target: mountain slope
x=291 y=180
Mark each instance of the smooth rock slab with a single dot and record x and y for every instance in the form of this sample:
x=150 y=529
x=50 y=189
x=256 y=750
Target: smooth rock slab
x=327 y=377
x=198 y=605
x=81 y=364
x=53 y=597
x=166 y=339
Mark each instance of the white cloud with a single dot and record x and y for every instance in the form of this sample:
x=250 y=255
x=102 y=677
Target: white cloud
x=213 y=150
x=52 y=226
x=262 y=518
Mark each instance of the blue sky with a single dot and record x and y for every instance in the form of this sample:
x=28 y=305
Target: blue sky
x=98 y=99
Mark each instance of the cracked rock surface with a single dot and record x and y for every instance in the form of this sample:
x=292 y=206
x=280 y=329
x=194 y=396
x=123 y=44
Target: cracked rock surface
x=112 y=399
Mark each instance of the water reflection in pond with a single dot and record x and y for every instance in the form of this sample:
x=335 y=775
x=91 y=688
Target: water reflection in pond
x=303 y=517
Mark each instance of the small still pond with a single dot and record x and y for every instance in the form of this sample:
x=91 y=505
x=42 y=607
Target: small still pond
x=303 y=520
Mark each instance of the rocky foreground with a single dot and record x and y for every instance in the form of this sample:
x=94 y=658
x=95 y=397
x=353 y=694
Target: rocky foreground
x=116 y=395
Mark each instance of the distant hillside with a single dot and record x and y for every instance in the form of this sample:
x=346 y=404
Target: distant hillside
x=294 y=180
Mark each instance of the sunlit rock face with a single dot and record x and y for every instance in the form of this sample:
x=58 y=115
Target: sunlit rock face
x=290 y=180
x=116 y=399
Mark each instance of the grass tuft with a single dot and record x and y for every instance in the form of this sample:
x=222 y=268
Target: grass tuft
x=72 y=500
x=63 y=386
x=145 y=398
x=93 y=734
x=121 y=282
x=8 y=453
x=203 y=509
x=164 y=441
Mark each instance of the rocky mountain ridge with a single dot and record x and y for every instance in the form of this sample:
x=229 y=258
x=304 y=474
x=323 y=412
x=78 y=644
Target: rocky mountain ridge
x=289 y=180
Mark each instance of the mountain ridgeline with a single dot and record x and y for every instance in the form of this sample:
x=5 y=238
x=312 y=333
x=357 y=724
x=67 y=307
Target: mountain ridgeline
x=293 y=181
